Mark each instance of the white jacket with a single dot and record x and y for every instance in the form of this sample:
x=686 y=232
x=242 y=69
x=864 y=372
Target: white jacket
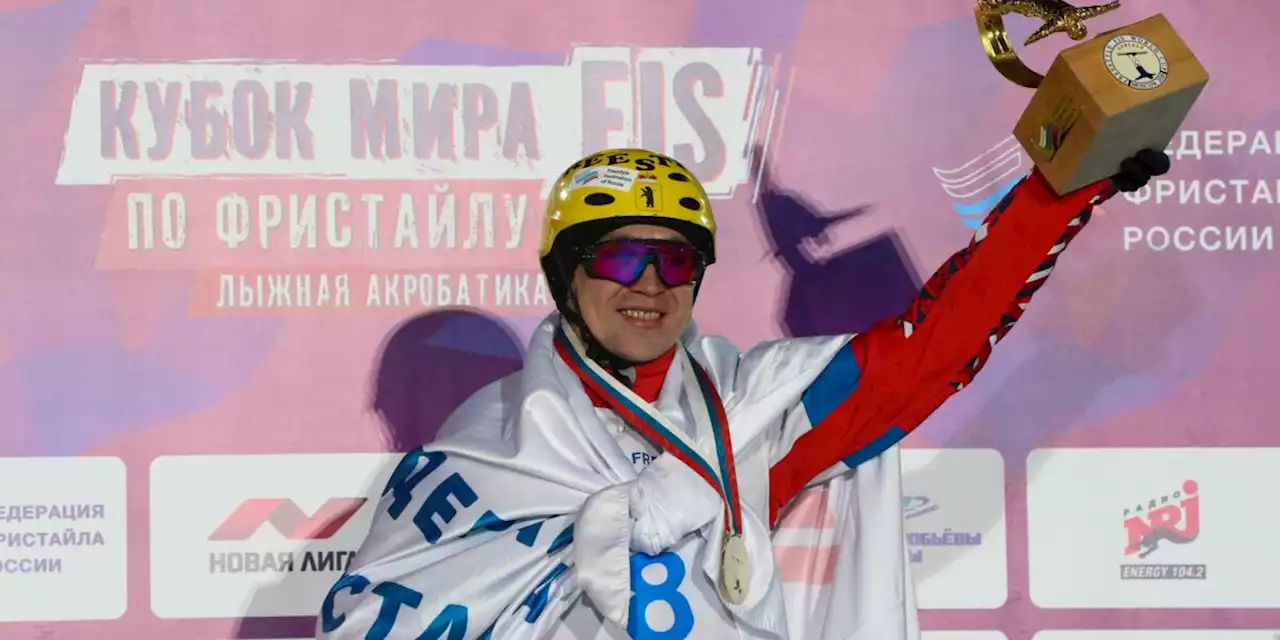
x=484 y=534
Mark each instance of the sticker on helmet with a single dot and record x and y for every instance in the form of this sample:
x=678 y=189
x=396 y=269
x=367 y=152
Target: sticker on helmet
x=649 y=197
x=617 y=178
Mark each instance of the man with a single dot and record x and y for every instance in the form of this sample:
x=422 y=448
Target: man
x=631 y=475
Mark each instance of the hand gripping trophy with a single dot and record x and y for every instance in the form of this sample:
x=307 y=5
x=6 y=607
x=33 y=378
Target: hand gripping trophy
x=1102 y=100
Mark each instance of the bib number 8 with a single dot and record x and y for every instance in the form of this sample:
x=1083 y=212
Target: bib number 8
x=650 y=597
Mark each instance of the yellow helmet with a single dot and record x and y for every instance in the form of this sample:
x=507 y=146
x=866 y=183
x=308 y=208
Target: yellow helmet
x=617 y=187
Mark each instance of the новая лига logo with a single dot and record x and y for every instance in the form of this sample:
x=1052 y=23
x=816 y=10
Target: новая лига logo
x=291 y=523
x=1152 y=527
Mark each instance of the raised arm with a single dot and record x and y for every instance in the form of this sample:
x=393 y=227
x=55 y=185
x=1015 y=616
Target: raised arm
x=892 y=377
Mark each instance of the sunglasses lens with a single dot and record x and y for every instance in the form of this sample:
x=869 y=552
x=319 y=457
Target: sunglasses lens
x=619 y=261
x=677 y=263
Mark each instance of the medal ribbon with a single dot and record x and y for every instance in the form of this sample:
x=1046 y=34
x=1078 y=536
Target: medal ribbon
x=658 y=429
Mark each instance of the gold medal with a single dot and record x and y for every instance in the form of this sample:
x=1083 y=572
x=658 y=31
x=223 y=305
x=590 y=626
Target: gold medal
x=735 y=570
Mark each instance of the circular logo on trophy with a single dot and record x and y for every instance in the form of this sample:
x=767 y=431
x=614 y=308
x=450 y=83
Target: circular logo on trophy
x=1136 y=62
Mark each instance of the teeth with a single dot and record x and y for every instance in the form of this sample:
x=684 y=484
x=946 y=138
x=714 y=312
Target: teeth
x=641 y=315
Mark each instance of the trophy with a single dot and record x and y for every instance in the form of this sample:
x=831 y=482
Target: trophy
x=1102 y=100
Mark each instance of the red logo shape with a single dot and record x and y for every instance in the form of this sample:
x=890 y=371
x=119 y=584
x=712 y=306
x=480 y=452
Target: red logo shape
x=287 y=518
x=1176 y=523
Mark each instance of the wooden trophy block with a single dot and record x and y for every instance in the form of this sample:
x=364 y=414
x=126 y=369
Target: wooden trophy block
x=1105 y=99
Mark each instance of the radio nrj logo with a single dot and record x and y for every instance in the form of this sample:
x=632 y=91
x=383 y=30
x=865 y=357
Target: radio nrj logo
x=976 y=186
x=1153 y=526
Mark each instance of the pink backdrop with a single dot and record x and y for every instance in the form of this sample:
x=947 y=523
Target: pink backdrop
x=116 y=340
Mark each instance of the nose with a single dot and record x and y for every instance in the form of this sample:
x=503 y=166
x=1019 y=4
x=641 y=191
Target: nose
x=649 y=282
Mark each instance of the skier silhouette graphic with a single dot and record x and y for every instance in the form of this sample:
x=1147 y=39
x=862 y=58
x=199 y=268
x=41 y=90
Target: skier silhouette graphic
x=1143 y=74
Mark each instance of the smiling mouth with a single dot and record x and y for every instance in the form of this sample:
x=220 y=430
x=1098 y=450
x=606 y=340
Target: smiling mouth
x=639 y=314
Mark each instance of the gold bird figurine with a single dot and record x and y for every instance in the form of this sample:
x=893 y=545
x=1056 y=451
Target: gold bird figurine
x=1058 y=16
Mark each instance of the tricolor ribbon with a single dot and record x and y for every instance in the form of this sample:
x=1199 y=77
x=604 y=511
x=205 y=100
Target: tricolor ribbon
x=642 y=416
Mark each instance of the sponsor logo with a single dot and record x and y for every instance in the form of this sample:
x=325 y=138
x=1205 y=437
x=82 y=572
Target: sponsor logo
x=919 y=506
x=977 y=186
x=916 y=506
x=586 y=177
x=290 y=522
x=1152 y=527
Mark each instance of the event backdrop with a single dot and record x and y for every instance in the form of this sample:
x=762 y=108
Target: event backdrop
x=252 y=249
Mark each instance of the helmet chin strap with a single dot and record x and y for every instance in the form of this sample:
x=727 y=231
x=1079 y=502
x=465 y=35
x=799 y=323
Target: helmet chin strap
x=608 y=360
